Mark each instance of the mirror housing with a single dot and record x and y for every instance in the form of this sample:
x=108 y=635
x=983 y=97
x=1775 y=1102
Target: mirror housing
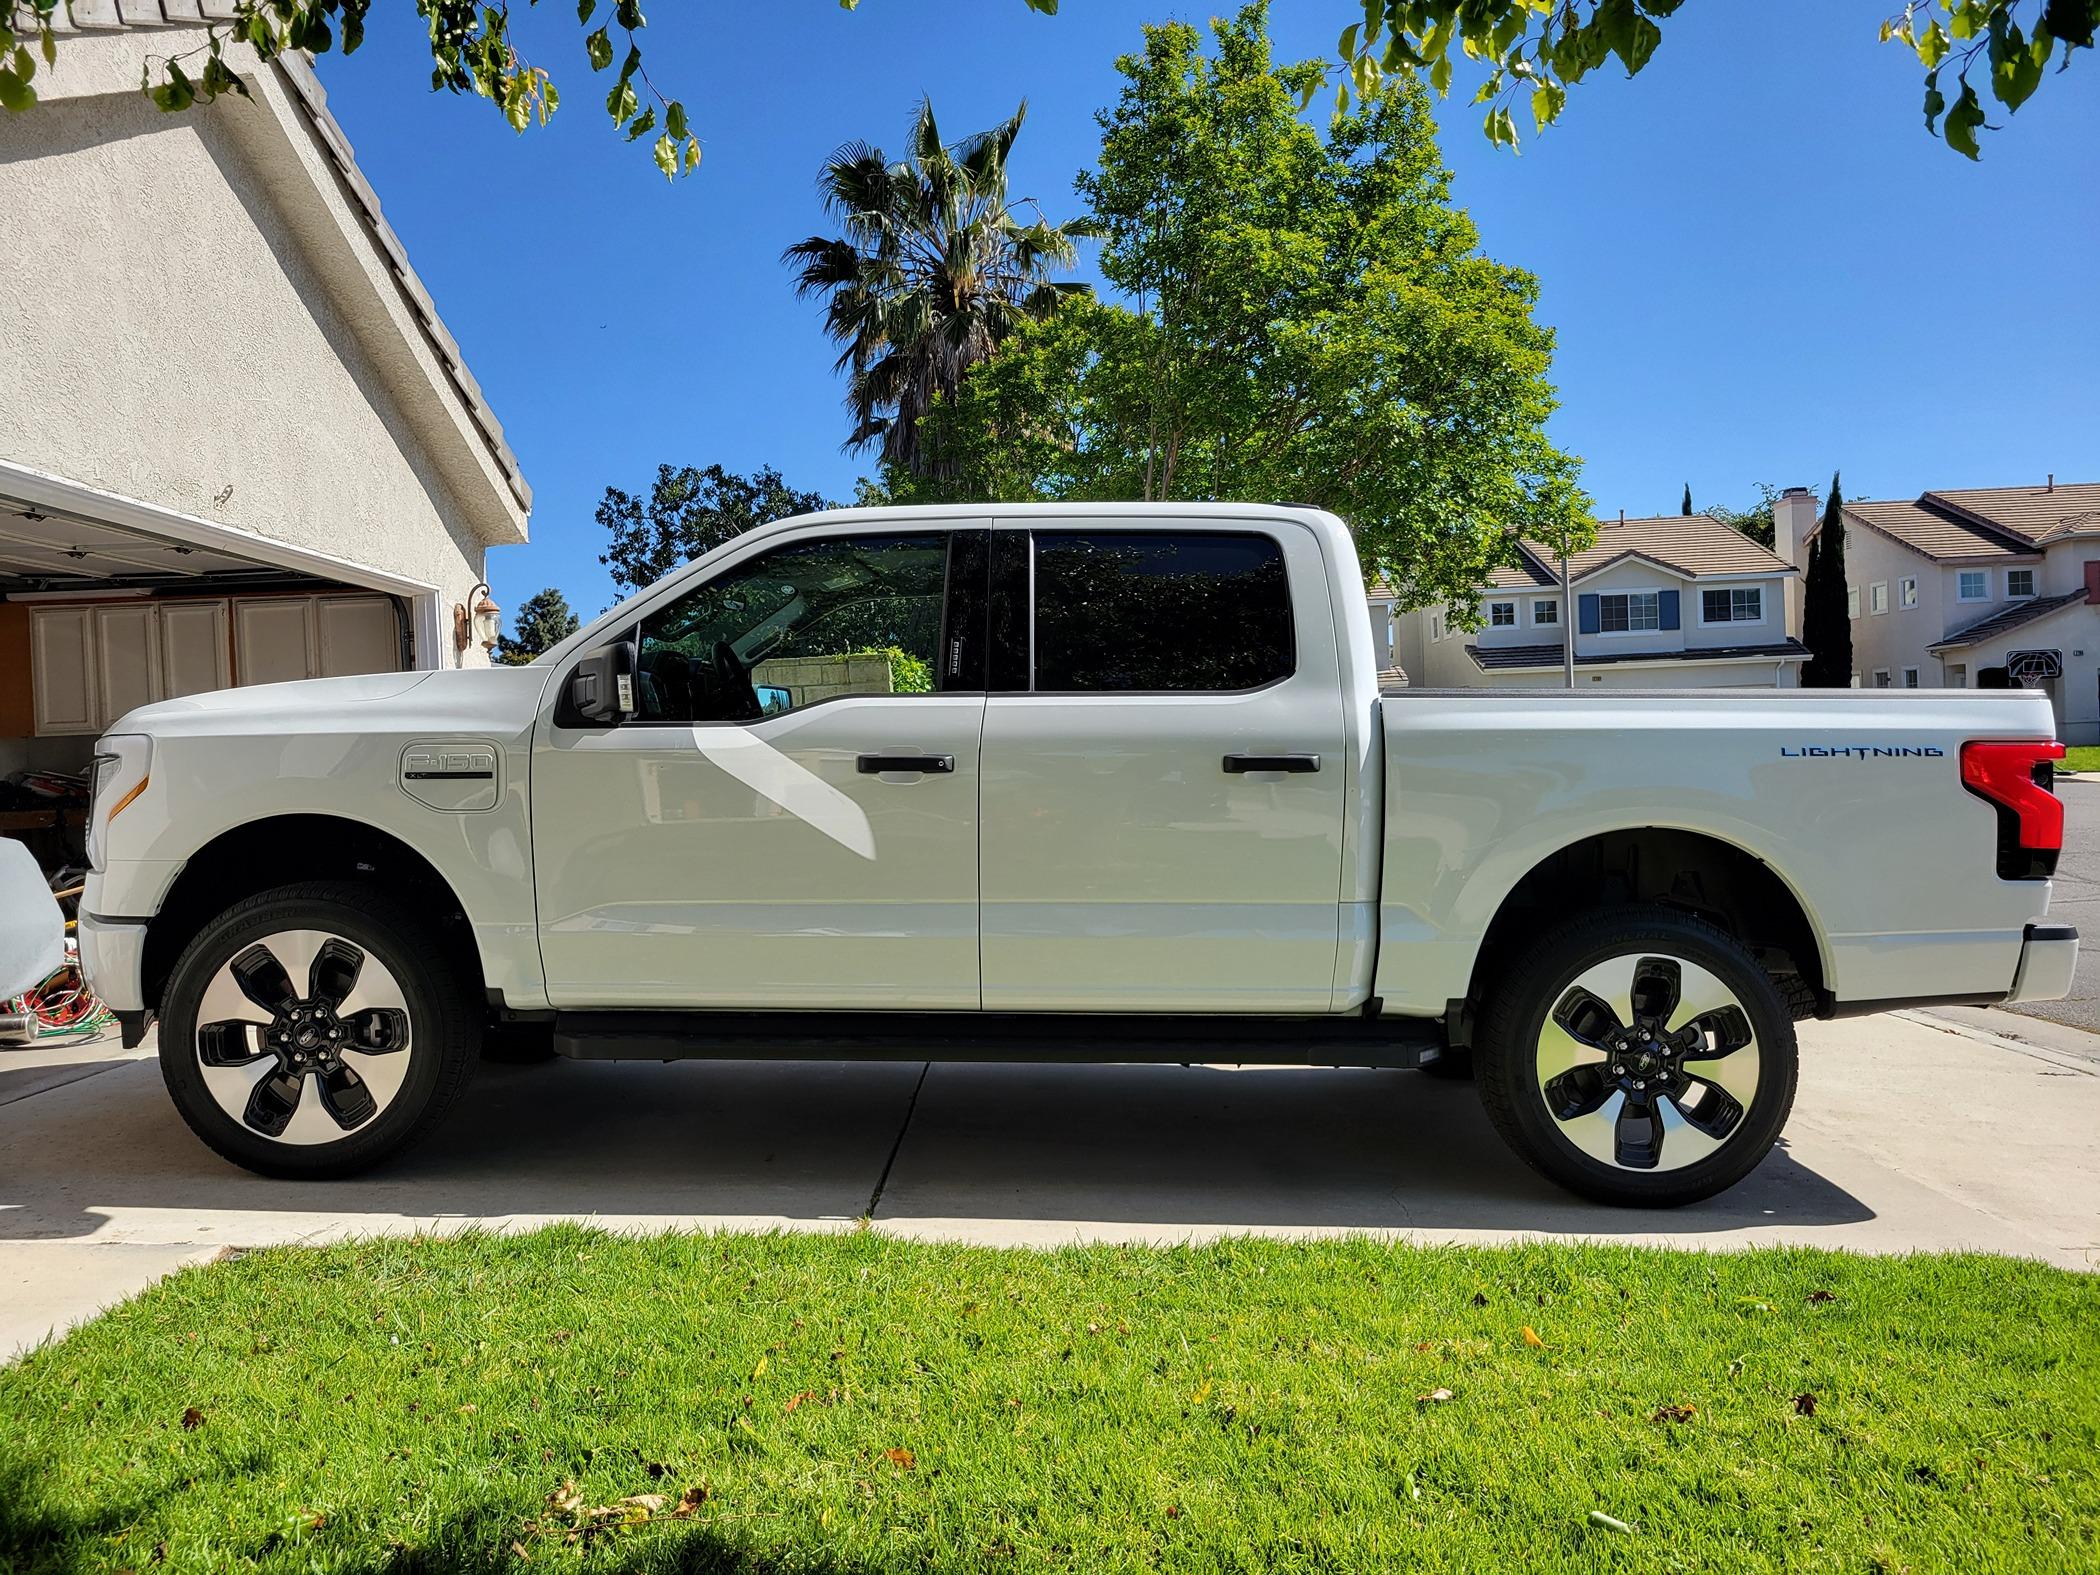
x=601 y=686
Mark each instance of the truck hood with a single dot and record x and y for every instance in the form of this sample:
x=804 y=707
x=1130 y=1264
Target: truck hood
x=479 y=699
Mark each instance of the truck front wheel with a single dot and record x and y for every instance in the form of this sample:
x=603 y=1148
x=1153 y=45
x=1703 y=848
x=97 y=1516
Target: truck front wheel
x=314 y=1030
x=1637 y=1056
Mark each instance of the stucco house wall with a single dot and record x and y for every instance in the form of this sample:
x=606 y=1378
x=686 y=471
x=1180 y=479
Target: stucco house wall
x=194 y=314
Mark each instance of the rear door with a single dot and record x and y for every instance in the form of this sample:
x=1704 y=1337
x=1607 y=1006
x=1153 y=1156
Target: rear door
x=1164 y=784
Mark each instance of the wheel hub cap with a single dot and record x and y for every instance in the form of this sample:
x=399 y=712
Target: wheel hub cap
x=303 y=1037
x=1647 y=1062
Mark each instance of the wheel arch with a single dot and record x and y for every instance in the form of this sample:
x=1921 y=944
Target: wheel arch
x=1685 y=867
x=281 y=850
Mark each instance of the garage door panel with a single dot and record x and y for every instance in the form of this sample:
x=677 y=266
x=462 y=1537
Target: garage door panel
x=357 y=634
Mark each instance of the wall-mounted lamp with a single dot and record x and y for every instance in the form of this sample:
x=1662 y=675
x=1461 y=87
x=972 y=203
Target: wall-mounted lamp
x=481 y=626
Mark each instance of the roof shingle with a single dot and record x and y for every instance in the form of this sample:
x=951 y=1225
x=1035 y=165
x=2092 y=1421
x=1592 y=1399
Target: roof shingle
x=2002 y=622
x=1690 y=544
x=1986 y=523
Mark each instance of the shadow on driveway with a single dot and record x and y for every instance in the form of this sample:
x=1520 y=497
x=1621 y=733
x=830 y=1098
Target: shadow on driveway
x=807 y=1143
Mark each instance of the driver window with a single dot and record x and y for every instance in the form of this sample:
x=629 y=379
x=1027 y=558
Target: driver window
x=810 y=621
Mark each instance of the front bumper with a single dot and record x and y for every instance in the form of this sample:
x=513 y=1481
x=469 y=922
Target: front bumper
x=113 y=959
x=2048 y=959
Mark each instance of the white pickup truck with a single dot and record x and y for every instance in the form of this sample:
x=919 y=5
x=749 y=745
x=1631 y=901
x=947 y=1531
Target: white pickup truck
x=1058 y=782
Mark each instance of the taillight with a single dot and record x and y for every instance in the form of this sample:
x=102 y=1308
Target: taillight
x=2014 y=776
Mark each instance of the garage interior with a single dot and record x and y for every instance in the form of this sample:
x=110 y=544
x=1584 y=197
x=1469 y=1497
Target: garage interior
x=98 y=616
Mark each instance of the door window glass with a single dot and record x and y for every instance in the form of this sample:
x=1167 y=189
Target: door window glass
x=809 y=621
x=1160 y=610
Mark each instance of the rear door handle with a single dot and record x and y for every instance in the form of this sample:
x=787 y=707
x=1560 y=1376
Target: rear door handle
x=1236 y=765
x=874 y=765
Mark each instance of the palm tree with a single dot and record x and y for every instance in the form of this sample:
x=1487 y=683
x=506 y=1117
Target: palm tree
x=934 y=269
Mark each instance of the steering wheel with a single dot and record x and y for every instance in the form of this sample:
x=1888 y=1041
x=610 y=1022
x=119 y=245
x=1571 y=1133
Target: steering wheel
x=733 y=681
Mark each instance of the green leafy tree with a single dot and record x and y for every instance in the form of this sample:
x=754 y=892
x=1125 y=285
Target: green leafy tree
x=1755 y=521
x=543 y=622
x=1687 y=499
x=1826 y=622
x=1533 y=50
x=1309 y=318
x=937 y=265
x=689 y=512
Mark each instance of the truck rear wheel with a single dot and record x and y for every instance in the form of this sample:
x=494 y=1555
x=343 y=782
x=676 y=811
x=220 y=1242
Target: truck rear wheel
x=313 y=1030
x=1638 y=1056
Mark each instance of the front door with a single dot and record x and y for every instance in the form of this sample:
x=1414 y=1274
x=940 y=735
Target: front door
x=1165 y=771
x=789 y=819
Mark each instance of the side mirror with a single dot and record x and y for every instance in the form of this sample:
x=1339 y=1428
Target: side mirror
x=601 y=686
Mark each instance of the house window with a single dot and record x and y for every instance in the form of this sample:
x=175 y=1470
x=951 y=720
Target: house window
x=1732 y=604
x=1546 y=610
x=1910 y=678
x=1436 y=626
x=1907 y=593
x=1852 y=605
x=2019 y=583
x=1881 y=678
x=1973 y=585
x=1502 y=615
x=1629 y=612
x=1878 y=597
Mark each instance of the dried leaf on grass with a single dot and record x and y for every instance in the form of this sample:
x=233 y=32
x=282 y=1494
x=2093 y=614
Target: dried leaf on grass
x=1434 y=1397
x=1674 y=1413
x=192 y=1419
x=902 y=1459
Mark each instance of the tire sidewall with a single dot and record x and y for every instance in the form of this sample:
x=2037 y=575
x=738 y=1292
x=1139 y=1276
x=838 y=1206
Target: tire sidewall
x=407 y=951
x=1535 y=985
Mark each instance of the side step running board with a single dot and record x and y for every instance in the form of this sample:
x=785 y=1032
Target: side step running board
x=996 y=1036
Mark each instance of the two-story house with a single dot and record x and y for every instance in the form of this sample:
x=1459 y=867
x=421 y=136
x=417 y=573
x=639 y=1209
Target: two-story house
x=1677 y=600
x=1986 y=586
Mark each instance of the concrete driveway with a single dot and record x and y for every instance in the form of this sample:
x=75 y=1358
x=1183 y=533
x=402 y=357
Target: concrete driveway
x=2075 y=898
x=1910 y=1133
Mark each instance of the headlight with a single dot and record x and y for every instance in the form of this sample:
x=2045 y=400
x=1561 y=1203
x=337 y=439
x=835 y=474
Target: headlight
x=121 y=762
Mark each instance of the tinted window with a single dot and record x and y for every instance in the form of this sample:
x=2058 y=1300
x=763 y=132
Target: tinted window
x=1160 y=610
x=810 y=621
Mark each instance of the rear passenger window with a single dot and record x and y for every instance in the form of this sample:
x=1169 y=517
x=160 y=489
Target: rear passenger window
x=1160 y=610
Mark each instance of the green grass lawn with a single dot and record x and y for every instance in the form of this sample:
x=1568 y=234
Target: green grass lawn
x=853 y=1403
x=2082 y=757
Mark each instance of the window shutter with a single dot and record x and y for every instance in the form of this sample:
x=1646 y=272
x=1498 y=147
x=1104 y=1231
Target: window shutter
x=1586 y=606
x=1666 y=604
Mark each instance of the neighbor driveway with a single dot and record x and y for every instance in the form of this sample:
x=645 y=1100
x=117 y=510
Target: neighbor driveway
x=1909 y=1133
x=2074 y=898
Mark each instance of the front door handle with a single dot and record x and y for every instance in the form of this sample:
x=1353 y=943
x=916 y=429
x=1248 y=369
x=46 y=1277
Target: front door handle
x=874 y=765
x=1236 y=765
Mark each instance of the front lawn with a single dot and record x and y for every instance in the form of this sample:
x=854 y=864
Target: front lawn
x=2082 y=757
x=853 y=1403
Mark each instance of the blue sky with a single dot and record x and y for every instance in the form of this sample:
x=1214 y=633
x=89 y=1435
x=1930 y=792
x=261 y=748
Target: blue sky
x=1758 y=264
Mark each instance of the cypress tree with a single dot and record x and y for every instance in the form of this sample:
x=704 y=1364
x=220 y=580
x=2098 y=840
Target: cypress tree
x=1687 y=499
x=1826 y=626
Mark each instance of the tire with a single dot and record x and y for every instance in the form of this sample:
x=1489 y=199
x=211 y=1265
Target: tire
x=1653 y=1122
x=265 y=1071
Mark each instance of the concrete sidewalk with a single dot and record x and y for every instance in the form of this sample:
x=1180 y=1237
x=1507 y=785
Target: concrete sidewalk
x=1911 y=1132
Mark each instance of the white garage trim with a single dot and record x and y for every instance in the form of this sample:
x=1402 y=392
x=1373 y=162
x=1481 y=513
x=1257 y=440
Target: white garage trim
x=58 y=495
